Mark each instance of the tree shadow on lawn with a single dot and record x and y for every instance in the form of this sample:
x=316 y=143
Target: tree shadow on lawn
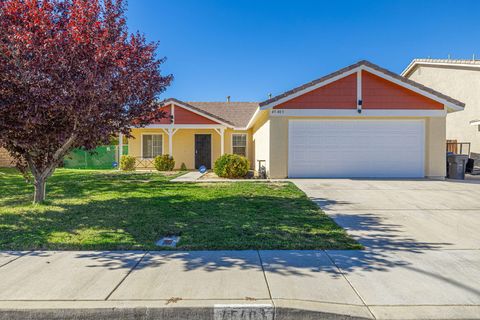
x=76 y=184
x=195 y=221
x=212 y=222
x=131 y=211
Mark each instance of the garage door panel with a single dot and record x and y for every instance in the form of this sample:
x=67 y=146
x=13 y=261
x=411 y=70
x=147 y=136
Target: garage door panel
x=356 y=148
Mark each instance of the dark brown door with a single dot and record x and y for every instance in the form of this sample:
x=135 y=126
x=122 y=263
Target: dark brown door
x=203 y=151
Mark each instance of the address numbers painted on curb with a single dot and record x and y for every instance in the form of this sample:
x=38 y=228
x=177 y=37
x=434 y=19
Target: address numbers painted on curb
x=243 y=312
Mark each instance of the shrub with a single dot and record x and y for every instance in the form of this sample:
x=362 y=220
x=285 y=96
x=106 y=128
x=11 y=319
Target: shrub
x=231 y=166
x=183 y=167
x=164 y=163
x=127 y=163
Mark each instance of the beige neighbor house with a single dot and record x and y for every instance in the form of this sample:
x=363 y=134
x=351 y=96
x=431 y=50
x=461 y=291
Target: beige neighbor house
x=5 y=159
x=360 y=121
x=459 y=79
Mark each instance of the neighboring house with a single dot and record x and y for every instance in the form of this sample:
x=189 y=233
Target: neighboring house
x=5 y=159
x=361 y=121
x=459 y=79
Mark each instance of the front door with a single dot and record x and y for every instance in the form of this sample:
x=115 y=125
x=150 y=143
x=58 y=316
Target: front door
x=203 y=151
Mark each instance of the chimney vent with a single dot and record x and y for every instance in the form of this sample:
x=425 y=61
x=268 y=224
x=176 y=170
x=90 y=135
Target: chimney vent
x=228 y=98
x=269 y=96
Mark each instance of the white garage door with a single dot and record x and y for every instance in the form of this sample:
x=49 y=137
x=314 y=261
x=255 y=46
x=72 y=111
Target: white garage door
x=356 y=148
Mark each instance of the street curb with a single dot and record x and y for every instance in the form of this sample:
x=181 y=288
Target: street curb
x=159 y=310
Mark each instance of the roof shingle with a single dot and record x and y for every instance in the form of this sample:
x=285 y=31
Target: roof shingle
x=237 y=114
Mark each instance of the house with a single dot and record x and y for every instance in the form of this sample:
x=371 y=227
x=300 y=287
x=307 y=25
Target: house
x=459 y=79
x=5 y=158
x=360 y=121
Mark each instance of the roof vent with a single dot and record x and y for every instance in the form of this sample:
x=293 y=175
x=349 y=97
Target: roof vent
x=228 y=98
x=269 y=96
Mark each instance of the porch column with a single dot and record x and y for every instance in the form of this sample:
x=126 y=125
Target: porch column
x=170 y=132
x=222 y=142
x=170 y=141
x=120 y=149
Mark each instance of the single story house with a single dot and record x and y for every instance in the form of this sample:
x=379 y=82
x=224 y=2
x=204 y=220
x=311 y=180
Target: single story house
x=459 y=79
x=360 y=121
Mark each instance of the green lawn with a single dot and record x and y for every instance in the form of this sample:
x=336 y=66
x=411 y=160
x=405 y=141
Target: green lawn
x=112 y=210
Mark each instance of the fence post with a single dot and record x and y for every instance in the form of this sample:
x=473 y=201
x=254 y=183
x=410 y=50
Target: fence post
x=120 y=149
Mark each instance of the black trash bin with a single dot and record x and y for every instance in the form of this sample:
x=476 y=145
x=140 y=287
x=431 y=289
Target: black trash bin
x=456 y=166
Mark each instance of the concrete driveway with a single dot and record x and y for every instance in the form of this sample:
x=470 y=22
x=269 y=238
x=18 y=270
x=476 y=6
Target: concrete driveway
x=402 y=214
x=421 y=238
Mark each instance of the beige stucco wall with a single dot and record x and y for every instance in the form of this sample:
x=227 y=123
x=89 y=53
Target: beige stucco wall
x=183 y=144
x=435 y=144
x=435 y=140
x=462 y=84
x=5 y=159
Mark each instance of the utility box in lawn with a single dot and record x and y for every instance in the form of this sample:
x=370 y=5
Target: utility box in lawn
x=456 y=166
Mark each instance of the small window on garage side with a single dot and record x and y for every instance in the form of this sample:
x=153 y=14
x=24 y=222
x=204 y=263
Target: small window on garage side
x=152 y=145
x=239 y=144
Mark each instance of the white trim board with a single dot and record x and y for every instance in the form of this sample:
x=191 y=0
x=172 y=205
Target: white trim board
x=354 y=113
x=251 y=121
x=182 y=126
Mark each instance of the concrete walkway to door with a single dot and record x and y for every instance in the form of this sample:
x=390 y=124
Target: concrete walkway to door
x=422 y=243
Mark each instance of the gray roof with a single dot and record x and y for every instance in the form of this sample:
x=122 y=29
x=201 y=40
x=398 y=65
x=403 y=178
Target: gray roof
x=449 y=61
x=441 y=62
x=373 y=66
x=237 y=114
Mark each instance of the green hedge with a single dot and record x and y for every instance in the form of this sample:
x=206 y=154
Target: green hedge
x=231 y=166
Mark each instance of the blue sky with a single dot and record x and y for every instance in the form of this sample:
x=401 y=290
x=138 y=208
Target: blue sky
x=248 y=49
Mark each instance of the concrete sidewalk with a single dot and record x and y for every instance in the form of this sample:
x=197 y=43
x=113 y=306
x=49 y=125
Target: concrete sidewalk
x=239 y=285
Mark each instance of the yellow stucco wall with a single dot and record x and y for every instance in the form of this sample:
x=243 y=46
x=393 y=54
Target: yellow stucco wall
x=260 y=133
x=435 y=144
x=183 y=144
x=462 y=84
x=435 y=141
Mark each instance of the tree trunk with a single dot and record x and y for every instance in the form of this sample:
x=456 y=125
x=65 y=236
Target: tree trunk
x=40 y=184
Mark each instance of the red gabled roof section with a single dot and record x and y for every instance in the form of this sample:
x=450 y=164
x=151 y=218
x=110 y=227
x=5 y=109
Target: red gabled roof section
x=166 y=120
x=379 y=93
x=341 y=94
x=184 y=116
x=395 y=87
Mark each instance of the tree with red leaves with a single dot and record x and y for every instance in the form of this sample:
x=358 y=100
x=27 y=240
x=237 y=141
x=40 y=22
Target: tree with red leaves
x=71 y=76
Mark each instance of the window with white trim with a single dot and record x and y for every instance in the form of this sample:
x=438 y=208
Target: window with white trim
x=152 y=145
x=239 y=144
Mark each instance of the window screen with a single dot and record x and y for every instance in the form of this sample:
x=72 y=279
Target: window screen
x=239 y=144
x=152 y=145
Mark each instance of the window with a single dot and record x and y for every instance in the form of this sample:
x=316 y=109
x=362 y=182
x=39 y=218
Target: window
x=239 y=144
x=152 y=145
